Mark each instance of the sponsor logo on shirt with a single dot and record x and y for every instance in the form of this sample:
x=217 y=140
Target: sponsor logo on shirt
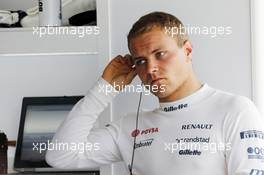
x=255 y=153
x=190 y=152
x=252 y=134
x=144 y=143
x=256 y=172
x=193 y=139
x=137 y=132
x=197 y=126
x=175 y=108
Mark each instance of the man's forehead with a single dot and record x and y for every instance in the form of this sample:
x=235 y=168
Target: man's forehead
x=147 y=43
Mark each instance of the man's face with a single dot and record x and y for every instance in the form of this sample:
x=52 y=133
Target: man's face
x=160 y=62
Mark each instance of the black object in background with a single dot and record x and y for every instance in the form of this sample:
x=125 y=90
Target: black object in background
x=3 y=153
x=83 y=18
x=21 y=15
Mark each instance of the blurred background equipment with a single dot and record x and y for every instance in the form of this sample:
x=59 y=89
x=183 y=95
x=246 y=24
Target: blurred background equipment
x=50 y=13
x=3 y=153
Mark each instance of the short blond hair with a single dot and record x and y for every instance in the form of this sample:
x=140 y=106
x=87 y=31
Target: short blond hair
x=161 y=20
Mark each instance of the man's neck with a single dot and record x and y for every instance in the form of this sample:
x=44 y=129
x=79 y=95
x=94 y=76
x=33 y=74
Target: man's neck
x=190 y=86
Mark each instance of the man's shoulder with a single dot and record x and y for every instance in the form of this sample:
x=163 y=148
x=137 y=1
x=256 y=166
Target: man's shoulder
x=232 y=101
x=142 y=114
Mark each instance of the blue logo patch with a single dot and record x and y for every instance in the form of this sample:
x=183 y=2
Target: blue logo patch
x=255 y=153
x=252 y=134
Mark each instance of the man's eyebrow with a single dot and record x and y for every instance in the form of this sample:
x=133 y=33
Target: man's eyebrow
x=155 y=50
x=137 y=58
x=142 y=57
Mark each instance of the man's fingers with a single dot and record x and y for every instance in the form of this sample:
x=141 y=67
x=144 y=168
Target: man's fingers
x=129 y=60
x=117 y=59
x=124 y=61
x=131 y=75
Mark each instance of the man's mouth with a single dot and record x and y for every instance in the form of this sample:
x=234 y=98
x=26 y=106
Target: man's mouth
x=156 y=81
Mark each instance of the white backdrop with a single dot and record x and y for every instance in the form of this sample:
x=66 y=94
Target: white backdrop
x=257 y=50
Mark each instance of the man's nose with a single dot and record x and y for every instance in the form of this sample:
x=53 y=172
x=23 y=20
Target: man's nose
x=152 y=67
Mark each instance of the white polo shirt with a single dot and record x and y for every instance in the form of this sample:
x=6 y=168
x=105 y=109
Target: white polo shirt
x=207 y=133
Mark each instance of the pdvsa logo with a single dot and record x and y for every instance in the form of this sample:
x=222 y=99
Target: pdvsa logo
x=255 y=153
x=256 y=172
x=137 y=132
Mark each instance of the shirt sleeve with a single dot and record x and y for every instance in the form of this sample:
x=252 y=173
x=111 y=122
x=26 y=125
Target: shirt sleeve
x=244 y=131
x=76 y=143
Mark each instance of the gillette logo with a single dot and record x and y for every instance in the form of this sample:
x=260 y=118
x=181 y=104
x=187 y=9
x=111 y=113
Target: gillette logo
x=190 y=152
x=175 y=108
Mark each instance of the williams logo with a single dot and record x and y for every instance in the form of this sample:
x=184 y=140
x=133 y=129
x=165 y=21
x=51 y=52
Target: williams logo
x=137 y=132
x=256 y=172
x=255 y=153
x=175 y=108
x=252 y=134
x=190 y=152
x=197 y=126
x=142 y=143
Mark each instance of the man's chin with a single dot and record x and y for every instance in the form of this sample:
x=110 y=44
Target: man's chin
x=160 y=94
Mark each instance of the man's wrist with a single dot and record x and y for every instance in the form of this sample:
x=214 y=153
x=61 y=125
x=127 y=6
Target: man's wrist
x=106 y=78
x=118 y=86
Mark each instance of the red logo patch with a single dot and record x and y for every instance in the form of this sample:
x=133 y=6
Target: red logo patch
x=136 y=132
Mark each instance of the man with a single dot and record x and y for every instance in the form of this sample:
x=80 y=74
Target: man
x=197 y=129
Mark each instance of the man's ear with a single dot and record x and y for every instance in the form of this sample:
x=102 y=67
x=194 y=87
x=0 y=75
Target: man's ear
x=188 y=49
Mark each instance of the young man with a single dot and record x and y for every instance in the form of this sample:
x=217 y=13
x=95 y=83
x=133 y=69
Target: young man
x=197 y=129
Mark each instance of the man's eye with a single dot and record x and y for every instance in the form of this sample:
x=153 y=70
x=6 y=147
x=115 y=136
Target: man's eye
x=160 y=54
x=140 y=62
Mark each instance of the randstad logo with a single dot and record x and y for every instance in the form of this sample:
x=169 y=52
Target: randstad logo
x=175 y=108
x=137 y=132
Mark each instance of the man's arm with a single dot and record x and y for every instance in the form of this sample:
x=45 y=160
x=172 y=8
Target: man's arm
x=245 y=134
x=93 y=147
